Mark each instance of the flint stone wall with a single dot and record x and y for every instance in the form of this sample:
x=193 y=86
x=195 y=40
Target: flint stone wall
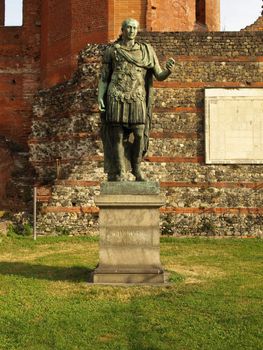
x=66 y=150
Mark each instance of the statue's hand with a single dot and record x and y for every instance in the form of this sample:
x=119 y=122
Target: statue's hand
x=102 y=107
x=170 y=64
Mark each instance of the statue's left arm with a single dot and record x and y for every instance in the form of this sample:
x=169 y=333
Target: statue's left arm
x=161 y=74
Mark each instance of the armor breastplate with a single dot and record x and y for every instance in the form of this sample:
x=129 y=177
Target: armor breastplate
x=127 y=80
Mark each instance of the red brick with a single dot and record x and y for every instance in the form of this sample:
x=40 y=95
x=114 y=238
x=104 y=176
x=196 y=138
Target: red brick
x=196 y=211
x=250 y=185
x=178 y=109
x=216 y=211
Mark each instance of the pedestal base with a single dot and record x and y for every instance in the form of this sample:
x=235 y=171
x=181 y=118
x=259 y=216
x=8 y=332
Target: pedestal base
x=129 y=233
x=128 y=275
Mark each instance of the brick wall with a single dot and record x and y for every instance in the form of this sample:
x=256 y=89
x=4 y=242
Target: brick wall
x=182 y=15
x=119 y=10
x=19 y=80
x=201 y=199
x=212 y=15
x=67 y=26
x=55 y=41
x=54 y=32
x=171 y=15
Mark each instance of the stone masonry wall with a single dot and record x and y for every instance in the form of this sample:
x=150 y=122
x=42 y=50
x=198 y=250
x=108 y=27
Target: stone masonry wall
x=201 y=199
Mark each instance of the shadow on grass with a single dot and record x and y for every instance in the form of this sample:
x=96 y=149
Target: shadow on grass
x=52 y=273
x=141 y=335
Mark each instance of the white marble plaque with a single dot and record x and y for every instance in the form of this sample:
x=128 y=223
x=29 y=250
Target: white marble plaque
x=234 y=126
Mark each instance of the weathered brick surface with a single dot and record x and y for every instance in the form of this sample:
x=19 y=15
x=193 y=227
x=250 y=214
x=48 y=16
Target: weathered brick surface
x=182 y=15
x=212 y=14
x=200 y=199
x=67 y=25
x=119 y=10
x=19 y=80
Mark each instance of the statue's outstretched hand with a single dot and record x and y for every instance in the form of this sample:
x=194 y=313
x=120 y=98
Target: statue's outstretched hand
x=170 y=64
x=102 y=107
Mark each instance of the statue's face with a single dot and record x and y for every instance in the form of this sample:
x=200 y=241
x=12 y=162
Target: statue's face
x=130 y=30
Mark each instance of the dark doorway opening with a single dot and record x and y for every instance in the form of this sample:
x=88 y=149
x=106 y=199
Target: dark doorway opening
x=200 y=12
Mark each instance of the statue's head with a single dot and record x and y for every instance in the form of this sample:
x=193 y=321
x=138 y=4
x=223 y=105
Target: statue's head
x=129 y=28
x=129 y=21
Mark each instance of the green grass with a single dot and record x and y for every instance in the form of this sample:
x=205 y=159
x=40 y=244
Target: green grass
x=214 y=300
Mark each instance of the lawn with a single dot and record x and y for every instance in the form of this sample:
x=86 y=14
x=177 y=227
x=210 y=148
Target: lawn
x=214 y=299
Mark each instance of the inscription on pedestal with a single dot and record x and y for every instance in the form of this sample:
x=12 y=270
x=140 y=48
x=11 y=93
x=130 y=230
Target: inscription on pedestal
x=126 y=236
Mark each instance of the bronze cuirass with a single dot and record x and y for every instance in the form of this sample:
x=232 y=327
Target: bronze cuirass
x=127 y=80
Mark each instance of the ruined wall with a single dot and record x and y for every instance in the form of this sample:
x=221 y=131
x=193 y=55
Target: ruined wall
x=44 y=51
x=201 y=199
x=67 y=26
x=171 y=15
x=212 y=15
x=181 y=15
x=257 y=25
x=119 y=10
x=19 y=80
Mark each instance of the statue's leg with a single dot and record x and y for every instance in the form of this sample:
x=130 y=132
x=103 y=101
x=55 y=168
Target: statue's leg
x=137 y=150
x=118 y=163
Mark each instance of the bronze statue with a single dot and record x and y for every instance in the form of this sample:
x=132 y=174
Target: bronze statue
x=125 y=101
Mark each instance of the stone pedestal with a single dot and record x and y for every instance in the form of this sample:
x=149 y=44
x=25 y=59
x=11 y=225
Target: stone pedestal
x=129 y=233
